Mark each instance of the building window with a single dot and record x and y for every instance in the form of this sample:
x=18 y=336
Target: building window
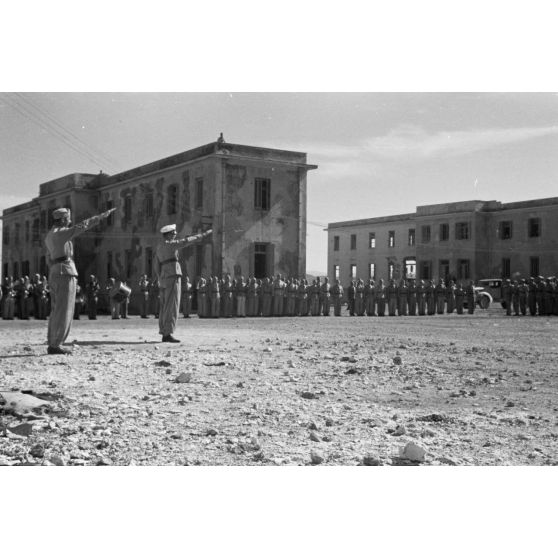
x=425 y=232
x=148 y=205
x=148 y=262
x=25 y=268
x=6 y=270
x=372 y=240
x=43 y=270
x=353 y=271
x=463 y=269
x=199 y=193
x=444 y=269
x=534 y=227
x=199 y=259
x=391 y=270
x=27 y=231
x=109 y=265
x=262 y=194
x=109 y=205
x=16 y=270
x=6 y=236
x=172 y=199
x=391 y=239
x=353 y=242
x=506 y=268
x=127 y=209
x=336 y=272
x=506 y=230
x=35 y=233
x=534 y=265
x=411 y=237
x=461 y=231
x=336 y=244
x=372 y=271
x=16 y=235
x=43 y=220
x=128 y=263
x=444 y=232
x=426 y=270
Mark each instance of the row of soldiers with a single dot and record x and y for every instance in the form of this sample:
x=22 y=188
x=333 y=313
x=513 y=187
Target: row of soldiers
x=539 y=295
x=26 y=297
x=266 y=297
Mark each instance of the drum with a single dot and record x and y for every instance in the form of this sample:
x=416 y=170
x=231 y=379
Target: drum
x=120 y=292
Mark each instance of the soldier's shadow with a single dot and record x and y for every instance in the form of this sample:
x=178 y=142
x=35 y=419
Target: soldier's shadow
x=93 y=343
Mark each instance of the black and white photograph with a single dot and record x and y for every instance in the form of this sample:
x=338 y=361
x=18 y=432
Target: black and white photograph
x=279 y=299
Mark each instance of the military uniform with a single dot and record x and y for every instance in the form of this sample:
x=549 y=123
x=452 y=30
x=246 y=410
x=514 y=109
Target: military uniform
x=302 y=295
x=92 y=289
x=370 y=298
x=515 y=297
x=412 y=297
x=507 y=296
x=63 y=276
x=144 y=294
x=431 y=298
x=359 y=298
x=523 y=294
x=459 y=298
x=402 y=298
x=381 y=298
x=351 y=297
x=170 y=279
x=392 y=299
x=440 y=297
x=450 y=297
x=470 y=296
x=241 y=298
x=186 y=297
x=421 y=298
x=78 y=305
x=336 y=292
x=532 y=296
x=202 y=298
x=267 y=297
x=324 y=297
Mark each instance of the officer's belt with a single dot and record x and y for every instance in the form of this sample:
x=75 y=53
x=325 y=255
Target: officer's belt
x=63 y=259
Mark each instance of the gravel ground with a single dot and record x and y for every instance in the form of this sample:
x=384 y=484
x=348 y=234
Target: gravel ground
x=452 y=390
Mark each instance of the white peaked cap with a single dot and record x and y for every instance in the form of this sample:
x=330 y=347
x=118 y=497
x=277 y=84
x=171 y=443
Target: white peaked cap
x=168 y=229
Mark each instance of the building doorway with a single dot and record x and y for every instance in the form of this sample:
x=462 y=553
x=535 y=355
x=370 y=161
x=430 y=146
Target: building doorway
x=444 y=270
x=410 y=268
x=263 y=260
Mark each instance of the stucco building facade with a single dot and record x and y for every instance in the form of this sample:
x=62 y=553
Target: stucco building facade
x=253 y=198
x=463 y=240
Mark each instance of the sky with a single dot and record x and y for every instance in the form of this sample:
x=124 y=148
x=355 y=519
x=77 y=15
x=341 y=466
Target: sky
x=377 y=153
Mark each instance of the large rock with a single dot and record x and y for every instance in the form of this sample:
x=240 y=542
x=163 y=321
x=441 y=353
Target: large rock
x=412 y=452
x=22 y=404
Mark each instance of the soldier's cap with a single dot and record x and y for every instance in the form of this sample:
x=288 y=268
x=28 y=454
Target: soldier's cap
x=60 y=212
x=168 y=228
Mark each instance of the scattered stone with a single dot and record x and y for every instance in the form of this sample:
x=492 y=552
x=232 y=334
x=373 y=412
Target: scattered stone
x=220 y=363
x=510 y=404
x=91 y=378
x=397 y=360
x=316 y=458
x=268 y=350
x=348 y=359
x=400 y=430
x=312 y=425
x=22 y=404
x=164 y=363
x=353 y=371
x=412 y=452
x=183 y=378
x=308 y=395
x=211 y=432
x=38 y=451
x=329 y=422
x=23 y=429
x=371 y=460
x=314 y=437
x=57 y=460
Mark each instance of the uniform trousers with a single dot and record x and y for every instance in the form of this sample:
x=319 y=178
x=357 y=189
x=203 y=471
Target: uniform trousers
x=62 y=298
x=169 y=295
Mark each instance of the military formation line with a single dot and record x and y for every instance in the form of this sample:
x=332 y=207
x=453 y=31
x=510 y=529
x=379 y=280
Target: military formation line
x=227 y=297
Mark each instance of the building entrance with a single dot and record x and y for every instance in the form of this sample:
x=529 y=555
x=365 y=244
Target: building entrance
x=260 y=260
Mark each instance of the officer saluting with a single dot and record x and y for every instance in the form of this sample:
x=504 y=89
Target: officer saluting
x=170 y=275
x=63 y=274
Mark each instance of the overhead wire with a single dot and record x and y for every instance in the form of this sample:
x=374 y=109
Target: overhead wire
x=40 y=121
x=56 y=122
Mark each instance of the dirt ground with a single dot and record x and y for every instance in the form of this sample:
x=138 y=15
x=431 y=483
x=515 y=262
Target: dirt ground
x=468 y=390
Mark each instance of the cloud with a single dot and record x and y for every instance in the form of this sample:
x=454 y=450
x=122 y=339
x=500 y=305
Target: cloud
x=412 y=144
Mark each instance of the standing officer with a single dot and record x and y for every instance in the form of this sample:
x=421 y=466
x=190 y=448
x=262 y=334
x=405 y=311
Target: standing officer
x=144 y=293
x=515 y=297
x=370 y=297
x=450 y=296
x=459 y=298
x=92 y=289
x=431 y=298
x=336 y=295
x=507 y=296
x=402 y=298
x=421 y=298
x=391 y=293
x=523 y=293
x=470 y=296
x=351 y=297
x=324 y=296
x=63 y=274
x=440 y=296
x=302 y=295
x=381 y=298
x=186 y=297
x=532 y=296
x=170 y=278
x=412 y=298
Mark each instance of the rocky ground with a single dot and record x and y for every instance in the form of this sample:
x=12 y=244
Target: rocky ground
x=442 y=390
